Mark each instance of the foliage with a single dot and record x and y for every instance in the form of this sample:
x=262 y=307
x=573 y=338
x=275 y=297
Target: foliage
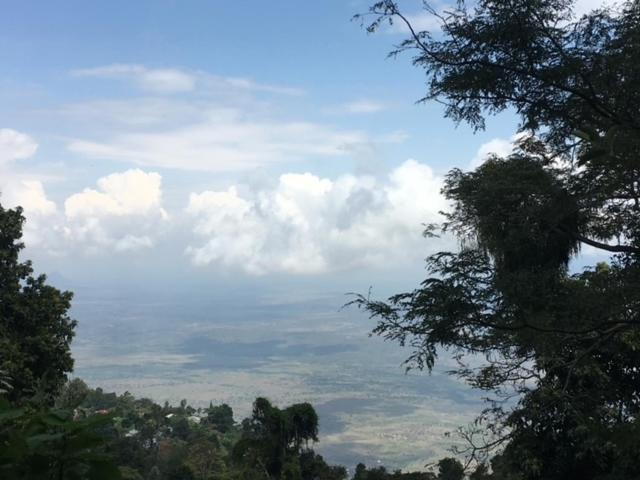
x=35 y=329
x=562 y=346
x=450 y=469
x=147 y=440
x=381 y=473
x=221 y=417
x=72 y=394
x=48 y=444
x=273 y=440
x=560 y=73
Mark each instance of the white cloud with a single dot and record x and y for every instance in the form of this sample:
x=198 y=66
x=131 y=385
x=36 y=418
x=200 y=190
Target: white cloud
x=362 y=106
x=307 y=224
x=158 y=80
x=131 y=242
x=175 y=80
x=131 y=192
x=228 y=140
x=215 y=82
x=15 y=145
x=30 y=195
x=39 y=211
x=582 y=7
x=20 y=190
x=124 y=213
x=140 y=113
x=226 y=127
x=420 y=21
x=500 y=147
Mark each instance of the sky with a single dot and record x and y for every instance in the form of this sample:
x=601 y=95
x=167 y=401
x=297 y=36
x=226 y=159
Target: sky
x=168 y=143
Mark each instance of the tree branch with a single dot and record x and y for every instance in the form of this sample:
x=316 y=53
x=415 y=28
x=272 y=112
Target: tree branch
x=606 y=246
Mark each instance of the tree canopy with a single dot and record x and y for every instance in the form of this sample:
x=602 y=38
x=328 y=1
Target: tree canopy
x=274 y=442
x=35 y=328
x=561 y=345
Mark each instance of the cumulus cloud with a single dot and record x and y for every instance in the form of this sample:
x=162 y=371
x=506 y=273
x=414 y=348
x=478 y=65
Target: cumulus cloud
x=30 y=195
x=131 y=192
x=15 y=145
x=227 y=140
x=40 y=212
x=308 y=224
x=124 y=213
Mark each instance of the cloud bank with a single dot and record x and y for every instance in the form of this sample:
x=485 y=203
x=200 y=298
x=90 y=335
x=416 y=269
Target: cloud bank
x=123 y=213
x=301 y=224
x=298 y=223
x=305 y=224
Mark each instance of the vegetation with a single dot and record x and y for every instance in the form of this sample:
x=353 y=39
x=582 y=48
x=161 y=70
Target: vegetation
x=99 y=435
x=35 y=329
x=560 y=349
x=49 y=444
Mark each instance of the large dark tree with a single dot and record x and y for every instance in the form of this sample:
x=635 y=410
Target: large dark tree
x=564 y=346
x=275 y=443
x=221 y=416
x=35 y=329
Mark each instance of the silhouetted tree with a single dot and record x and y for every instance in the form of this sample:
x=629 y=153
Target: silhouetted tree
x=450 y=469
x=35 y=329
x=564 y=346
x=221 y=416
x=274 y=440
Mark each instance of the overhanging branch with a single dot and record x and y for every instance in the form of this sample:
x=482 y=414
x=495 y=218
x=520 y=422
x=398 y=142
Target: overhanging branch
x=607 y=247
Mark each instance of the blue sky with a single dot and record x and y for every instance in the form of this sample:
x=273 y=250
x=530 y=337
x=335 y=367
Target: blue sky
x=252 y=141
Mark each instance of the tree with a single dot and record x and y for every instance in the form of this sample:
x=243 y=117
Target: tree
x=273 y=440
x=204 y=458
x=481 y=472
x=381 y=473
x=313 y=466
x=72 y=394
x=450 y=469
x=221 y=416
x=301 y=424
x=561 y=74
x=35 y=328
x=361 y=472
x=564 y=345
